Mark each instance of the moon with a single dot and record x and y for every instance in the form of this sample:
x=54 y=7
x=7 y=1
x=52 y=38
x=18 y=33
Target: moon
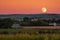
x=44 y=10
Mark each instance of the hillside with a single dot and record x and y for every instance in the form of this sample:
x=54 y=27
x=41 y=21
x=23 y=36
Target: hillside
x=56 y=16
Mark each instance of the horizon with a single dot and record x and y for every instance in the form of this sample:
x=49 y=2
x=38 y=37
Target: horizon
x=31 y=14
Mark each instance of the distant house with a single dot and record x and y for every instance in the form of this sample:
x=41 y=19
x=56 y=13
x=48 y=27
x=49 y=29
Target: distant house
x=34 y=19
x=52 y=24
x=16 y=25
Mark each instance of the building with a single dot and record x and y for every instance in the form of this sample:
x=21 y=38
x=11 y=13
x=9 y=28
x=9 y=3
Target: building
x=16 y=25
x=52 y=24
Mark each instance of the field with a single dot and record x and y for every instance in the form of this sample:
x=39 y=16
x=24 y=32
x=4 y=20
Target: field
x=30 y=34
x=43 y=27
x=30 y=37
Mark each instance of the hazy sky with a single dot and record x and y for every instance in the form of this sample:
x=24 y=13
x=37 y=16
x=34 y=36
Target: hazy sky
x=28 y=6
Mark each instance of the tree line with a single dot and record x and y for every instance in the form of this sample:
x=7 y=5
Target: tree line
x=8 y=22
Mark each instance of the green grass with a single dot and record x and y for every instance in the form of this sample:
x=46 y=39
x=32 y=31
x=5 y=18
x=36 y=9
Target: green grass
x=29 y=30
x=30 y=34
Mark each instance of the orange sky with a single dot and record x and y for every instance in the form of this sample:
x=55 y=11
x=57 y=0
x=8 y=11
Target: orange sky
x=28 y=6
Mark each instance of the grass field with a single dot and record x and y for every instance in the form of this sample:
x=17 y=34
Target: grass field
x=30 y=37
x=30 y=30
x=30 y=34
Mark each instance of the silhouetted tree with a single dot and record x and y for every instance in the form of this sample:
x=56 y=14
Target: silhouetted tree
x=26 y=19
x=6 y=23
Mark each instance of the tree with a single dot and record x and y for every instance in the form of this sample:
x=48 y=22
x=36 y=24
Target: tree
x=26 y=19
x=6 y=23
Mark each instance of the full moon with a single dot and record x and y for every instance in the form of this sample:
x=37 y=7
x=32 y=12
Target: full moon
x=44 y=10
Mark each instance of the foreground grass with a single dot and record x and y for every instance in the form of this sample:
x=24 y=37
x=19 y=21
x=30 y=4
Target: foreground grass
x=30 y=37
x=29 y=34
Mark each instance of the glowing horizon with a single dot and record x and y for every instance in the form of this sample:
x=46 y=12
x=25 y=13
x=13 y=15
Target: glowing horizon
x=29 y=6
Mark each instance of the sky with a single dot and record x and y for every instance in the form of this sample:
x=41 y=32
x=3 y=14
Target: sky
x=29 y=6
